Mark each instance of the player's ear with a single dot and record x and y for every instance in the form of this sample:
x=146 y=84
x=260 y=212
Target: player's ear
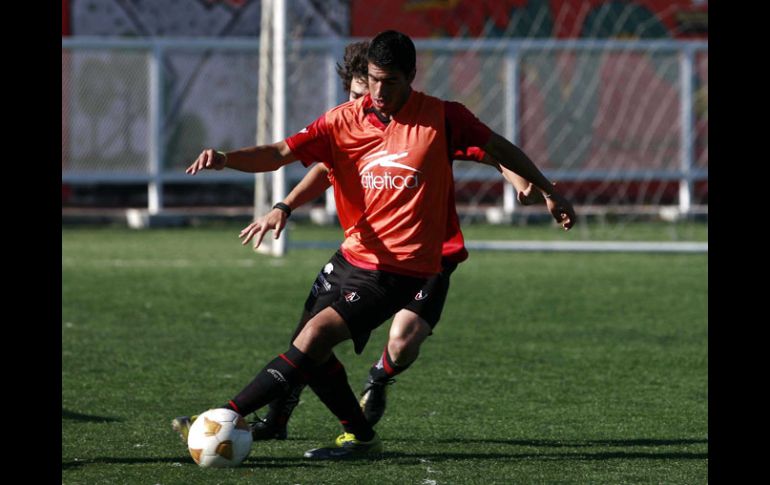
x=411 y=75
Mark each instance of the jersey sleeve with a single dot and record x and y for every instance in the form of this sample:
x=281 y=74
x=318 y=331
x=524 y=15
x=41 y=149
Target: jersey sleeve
x=474 y=154
x=312 y=143
x=465 y=129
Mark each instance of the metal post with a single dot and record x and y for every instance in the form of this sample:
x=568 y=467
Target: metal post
x=263 y=93
x=511 y=117
x=279 y=107
x=155 y=185
x=686 y=107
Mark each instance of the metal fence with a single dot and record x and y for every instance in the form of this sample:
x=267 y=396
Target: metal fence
x=139 y=111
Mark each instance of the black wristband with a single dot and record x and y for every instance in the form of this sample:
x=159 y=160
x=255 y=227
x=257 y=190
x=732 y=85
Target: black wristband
x=283 y=207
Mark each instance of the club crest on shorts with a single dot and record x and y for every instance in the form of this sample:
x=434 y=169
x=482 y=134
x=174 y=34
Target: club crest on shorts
x=421 y=295
x=352 y=296
x=328 y=268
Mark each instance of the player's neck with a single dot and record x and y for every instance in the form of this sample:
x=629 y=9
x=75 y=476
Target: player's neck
x=386 y=117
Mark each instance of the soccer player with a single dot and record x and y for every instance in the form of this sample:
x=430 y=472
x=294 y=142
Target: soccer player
x=389 y=153
x=413 y=324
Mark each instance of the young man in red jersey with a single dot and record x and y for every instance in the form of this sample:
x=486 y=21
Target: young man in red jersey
x=411 y=325
x=389 y=153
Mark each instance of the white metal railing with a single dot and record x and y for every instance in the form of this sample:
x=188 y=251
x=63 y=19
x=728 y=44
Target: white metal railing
x=156 y=174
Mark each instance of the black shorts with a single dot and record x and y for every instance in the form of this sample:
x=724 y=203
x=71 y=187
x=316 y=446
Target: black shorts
x=365 y=299
x=429 y=301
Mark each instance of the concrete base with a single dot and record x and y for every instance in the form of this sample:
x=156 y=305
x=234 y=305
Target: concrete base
x=495 y=215
x=321 y=217
x=142 y=219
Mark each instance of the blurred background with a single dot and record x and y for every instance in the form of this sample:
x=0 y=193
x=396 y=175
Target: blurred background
x=609 y=98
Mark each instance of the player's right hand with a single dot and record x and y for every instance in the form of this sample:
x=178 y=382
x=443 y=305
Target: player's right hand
x=208 y=159
x=274 y=220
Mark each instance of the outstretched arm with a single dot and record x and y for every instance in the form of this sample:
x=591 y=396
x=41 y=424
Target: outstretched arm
x=525 y=193
x=514 y=159
x=263 y=158
x=309 y=188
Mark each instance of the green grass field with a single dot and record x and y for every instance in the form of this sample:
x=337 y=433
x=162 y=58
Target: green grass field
x=546 y=368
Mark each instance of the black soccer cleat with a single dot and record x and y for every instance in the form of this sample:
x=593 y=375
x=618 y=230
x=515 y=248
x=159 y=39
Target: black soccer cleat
x=262 y=430
x=374 y=399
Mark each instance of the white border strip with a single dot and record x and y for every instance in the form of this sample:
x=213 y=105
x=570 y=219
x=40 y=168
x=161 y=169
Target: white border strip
x=554 y=246
x=591 y=246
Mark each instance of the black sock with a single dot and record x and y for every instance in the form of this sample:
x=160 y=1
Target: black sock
x=275 y=380
x=330 y=383
x=280 y=409
x=385 y=368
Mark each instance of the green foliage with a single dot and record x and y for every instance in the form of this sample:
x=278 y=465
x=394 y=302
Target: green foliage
x=546 y=368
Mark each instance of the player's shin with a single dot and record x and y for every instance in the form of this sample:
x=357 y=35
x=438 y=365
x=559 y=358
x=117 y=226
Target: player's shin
x=275 y=380
x=330 y=383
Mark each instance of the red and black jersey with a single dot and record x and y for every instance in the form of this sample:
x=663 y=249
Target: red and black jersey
x=393 y=183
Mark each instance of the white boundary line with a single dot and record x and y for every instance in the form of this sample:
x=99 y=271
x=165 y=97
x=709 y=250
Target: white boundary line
x=555 y=246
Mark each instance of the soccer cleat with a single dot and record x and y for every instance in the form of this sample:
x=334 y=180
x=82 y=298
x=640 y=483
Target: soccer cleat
x=347 y=446
x=261 y=429
x=181 y=424
x=373 y=399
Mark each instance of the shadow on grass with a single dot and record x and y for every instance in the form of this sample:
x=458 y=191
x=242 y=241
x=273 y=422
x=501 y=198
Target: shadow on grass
x=86 y=418
x=574 y=443
x=578 y=455
x=413 y=458
x=273 y=462
x=416 y=458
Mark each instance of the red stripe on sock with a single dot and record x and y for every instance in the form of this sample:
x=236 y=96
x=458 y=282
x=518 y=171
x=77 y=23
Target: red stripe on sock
x=234 y=406
x=304 y=375
x=288 y=361
x=385 y=365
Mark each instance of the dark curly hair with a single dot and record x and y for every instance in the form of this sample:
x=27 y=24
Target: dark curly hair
x=354 y=63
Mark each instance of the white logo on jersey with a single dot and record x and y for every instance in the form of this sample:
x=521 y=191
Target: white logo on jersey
x=303 y=130
x=387 y=180
x=328 y=268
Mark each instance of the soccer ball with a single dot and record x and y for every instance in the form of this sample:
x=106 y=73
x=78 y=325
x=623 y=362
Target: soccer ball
x=219 y=438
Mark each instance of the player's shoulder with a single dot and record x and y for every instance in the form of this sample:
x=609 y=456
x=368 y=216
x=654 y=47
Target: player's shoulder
x=454 y=106
x=425 y=97
x=347 y=108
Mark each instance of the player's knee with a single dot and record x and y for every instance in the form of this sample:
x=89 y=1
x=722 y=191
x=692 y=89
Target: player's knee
x=318 y=338
x=307 y=340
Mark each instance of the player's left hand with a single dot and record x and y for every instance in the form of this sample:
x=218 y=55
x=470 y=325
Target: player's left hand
x=274 y=220
x=561 y=209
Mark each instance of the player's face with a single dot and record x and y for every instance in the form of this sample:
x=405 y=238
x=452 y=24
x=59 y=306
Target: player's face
x=389 y=88
x=358 y=87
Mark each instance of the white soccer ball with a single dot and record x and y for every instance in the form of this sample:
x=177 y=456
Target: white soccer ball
x=219 y=438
